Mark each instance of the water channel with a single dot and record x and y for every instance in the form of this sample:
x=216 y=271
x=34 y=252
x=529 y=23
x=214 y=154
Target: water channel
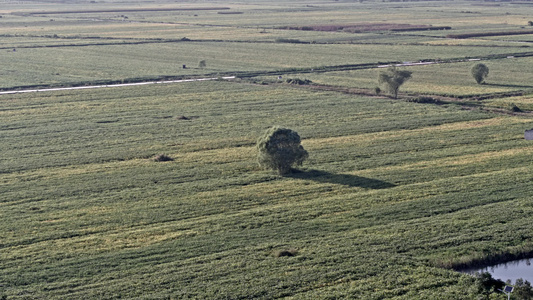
x=512 y=270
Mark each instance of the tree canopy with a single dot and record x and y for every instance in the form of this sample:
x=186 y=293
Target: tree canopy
x=393 y=79
x=480 y=72
x=279 y=149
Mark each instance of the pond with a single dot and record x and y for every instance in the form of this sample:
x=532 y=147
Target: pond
x=510 y=270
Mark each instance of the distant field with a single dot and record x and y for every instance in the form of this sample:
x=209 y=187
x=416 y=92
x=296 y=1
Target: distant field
x=28 y=66
x=394 y=197
x=111 y=44
x=443 y=79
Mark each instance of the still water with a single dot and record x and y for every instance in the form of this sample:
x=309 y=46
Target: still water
x=511 y=270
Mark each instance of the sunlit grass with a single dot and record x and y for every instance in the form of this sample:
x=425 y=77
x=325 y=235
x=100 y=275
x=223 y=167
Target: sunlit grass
x=394 y=194
x=381 y=174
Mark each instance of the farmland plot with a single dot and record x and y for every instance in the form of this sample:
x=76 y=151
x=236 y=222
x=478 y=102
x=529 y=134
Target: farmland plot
x=394 y=197
x=391 y=189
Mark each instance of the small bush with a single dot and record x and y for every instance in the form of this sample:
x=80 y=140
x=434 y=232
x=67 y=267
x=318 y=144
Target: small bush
x=480 y=72
x=377 y=90
x=299 y=81
x=514 y=108
x=425 y=99
x=290 y=41
x=163 y=157
x=282 y=253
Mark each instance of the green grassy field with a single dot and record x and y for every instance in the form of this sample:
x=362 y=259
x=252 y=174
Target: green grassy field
x=74 y=48
x=453 y=79
x=391 y=189
x=394 y=197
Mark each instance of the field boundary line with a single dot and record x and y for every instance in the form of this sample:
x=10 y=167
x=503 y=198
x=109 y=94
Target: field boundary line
x=114 y=85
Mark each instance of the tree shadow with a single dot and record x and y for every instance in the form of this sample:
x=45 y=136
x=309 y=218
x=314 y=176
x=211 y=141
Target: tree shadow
x=344 y=179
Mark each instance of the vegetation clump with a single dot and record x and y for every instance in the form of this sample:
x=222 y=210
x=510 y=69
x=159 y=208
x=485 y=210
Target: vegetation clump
x=282 y=253
x=290 y=41
x=480 y=72
x=279 y=149
x=163 y=157
x=299 y=81
x=393 y=79
x=425 y=100
x=487 y=285
x=514 y=108
x=523 y=289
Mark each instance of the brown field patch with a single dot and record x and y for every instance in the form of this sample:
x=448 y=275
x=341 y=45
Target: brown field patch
x=53 y=12
x=364 y=27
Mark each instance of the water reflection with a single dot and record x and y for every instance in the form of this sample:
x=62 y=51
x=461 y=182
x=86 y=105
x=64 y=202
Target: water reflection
x=511 y=270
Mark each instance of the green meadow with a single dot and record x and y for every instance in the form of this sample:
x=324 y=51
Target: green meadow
x=447 y=79
x=396 y=196
x=390 y=189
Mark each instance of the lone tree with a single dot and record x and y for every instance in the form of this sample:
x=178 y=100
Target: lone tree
x=393 y=79
x=279 y=148
x=480 y=72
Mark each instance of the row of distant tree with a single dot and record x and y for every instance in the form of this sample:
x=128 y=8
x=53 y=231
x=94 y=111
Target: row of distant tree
x=393 y=78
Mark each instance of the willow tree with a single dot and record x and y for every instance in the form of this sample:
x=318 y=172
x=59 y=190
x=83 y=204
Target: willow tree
x=393 y=79
x=280 y=149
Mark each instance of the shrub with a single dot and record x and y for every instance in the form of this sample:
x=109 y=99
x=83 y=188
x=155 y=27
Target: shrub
x=487 y=285
x=299 y=81
x=163 y=157
x=522 y=289
x=514 y=108
x=290 y=252
x=425 y=99
x=279 y=148
x=290 y=41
